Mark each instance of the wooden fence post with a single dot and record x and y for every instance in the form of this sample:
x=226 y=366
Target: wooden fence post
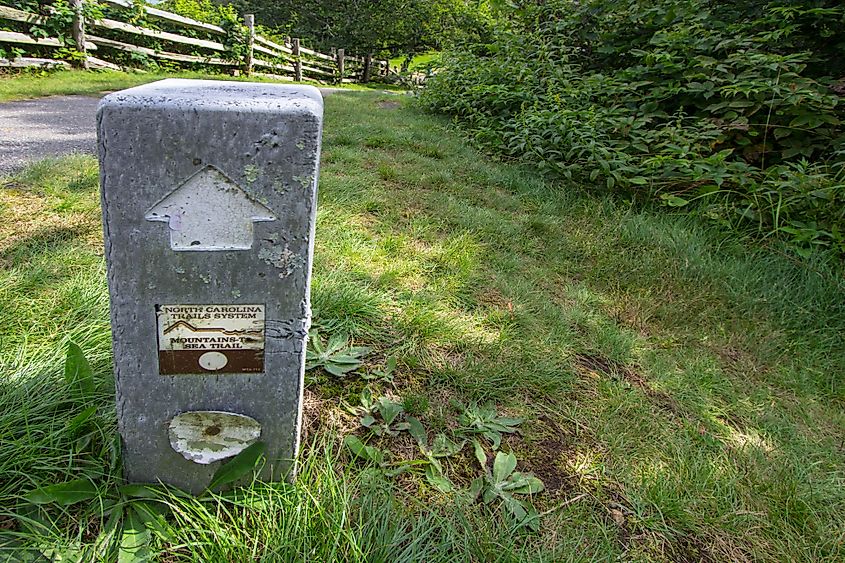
x=249 y=19
x=297 y=59
x=77 y=32
x=340 y=66
x=368 y=65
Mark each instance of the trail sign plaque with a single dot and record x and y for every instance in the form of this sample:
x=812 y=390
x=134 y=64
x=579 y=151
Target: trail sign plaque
x=209 y=199
x=210 y=338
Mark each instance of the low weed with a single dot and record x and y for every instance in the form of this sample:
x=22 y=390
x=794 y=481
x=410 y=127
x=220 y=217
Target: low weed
x=336 y=357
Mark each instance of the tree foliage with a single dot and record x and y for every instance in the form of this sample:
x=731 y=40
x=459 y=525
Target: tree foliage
x=381 y=26
x=731 y=108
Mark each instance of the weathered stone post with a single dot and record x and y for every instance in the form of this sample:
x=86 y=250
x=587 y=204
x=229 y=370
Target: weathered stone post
x=209 y=198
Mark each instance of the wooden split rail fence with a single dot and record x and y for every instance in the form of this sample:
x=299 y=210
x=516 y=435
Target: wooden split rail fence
x=109 y=43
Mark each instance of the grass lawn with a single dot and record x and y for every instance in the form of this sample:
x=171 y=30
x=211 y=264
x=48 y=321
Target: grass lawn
x=419 y=62
x=682 y=395
x=35 y=85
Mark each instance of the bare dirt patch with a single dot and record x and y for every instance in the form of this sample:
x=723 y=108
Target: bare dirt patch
x=546 y=457
x=321 y=415
x=688 y=549
x=738 y=362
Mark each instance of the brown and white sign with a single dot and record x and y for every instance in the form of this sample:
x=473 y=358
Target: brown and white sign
x=210 y=339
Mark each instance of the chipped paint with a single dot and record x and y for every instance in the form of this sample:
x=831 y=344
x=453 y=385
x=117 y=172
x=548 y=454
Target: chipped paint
x=208 y=436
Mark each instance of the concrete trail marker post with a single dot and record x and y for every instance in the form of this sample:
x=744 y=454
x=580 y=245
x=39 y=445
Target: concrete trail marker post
x=209 y=193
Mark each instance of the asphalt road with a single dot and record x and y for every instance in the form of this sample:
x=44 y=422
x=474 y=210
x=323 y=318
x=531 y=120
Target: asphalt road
x=52 y=126
x=56 y=125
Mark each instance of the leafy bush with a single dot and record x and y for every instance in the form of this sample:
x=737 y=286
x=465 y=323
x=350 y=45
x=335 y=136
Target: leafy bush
x=735 y=107
x=223 y=15
x=57 y=25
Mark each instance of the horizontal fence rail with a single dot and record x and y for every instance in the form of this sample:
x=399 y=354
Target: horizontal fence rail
x=183 y=42
x=171 y=18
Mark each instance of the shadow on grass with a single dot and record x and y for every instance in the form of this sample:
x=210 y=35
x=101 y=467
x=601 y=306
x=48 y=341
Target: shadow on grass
x=36 y=245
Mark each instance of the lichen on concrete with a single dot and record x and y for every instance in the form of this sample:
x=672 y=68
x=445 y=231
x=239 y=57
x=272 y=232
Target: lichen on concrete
x=251 y=173
x=304 y=181
x=282 y=258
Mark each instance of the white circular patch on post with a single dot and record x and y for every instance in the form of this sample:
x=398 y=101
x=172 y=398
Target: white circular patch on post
x=213 y=361
x=208 y=436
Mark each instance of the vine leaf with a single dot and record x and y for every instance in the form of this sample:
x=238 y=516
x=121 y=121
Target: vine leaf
x=239 y=466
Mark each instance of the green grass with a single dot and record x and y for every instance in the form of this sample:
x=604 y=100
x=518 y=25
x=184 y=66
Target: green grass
x=683 y=394
x=419 y=62
x=34 y=85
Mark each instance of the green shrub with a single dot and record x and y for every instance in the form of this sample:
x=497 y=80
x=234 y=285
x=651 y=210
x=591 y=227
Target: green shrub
x=733 y=110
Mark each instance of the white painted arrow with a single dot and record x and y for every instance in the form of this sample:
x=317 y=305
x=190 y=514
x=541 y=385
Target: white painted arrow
x=209 y=211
